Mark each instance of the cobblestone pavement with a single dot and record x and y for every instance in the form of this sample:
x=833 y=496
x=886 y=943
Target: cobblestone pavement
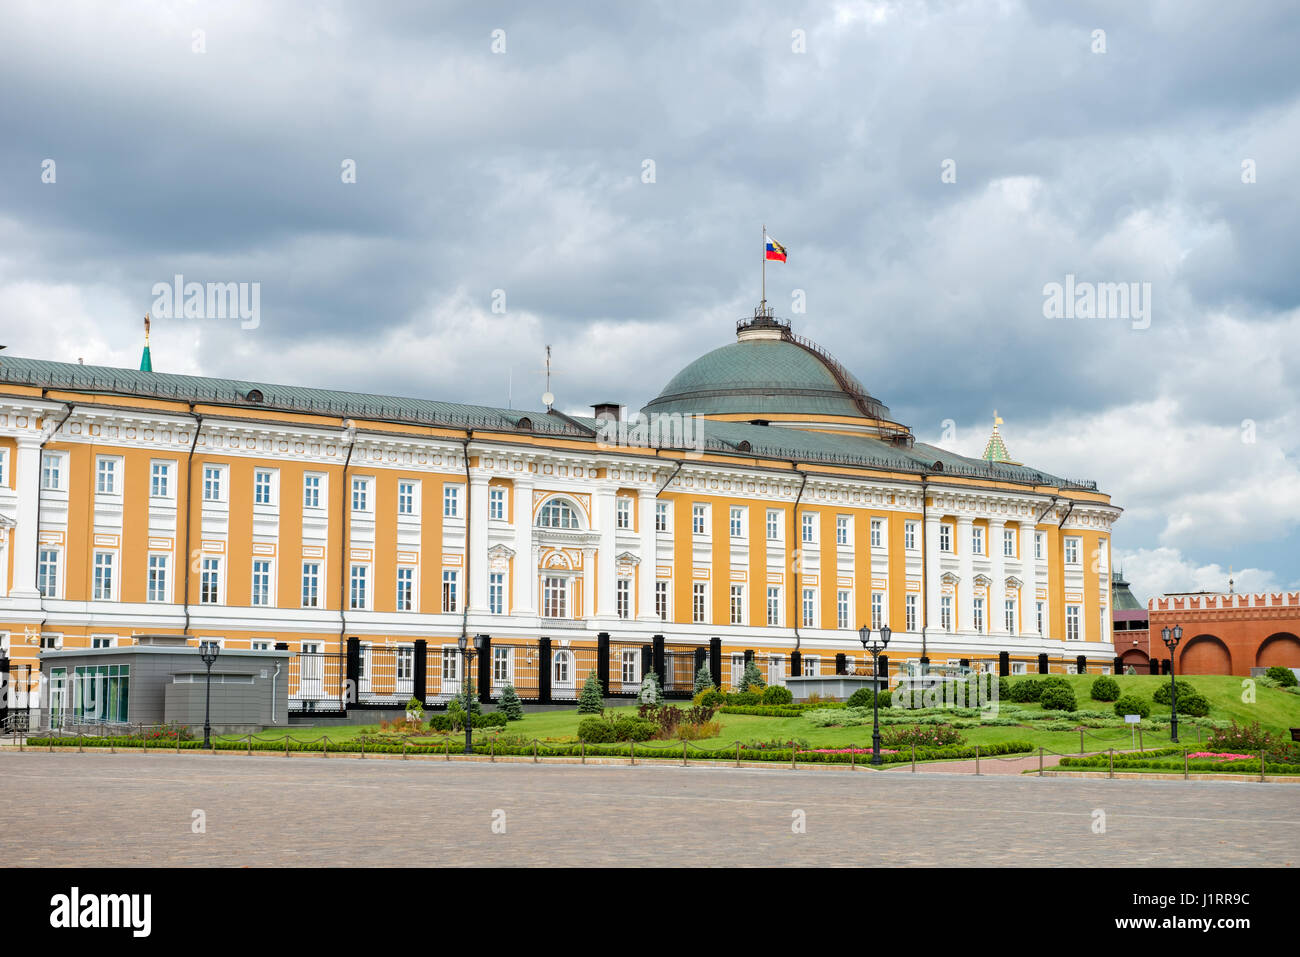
x=133 y=809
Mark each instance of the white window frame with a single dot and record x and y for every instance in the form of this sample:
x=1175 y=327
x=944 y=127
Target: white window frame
x=808 y=607
x=1073 y=550
x=1040 y=546
x=977 y=614
x=808 y=528
x=844 y=530
x=911 y=612
x=945 y=613
x=211 y=580
x=775 y=616
x=877 y=610
x=106 y=467
x=877 y=533
x=311 y=576
x=266 y=486
x=663 y=599
x=313 y=491
x=496 y=503
x=496 y=593
x=663 y=517
x=53 y=469
x=1009 y=537
x=736 y=521
x=736 y=604
x=945 y=537
x=843 y=608
x=214 y=483
x=408 y=497
x=451 y=591
x=774 y=525
x=623 y=598
x=700 y=603
x=362 y=503
x=623 y=513
x=103 y=565
x=1073 y=622
x=161 y=486
x=700 y=519
x=254 y=591
x=49 y=563
x=158 y=566
x=407 y=591
x=978 y=546
x=909 y=536
x=355 y=579
x=451 y=500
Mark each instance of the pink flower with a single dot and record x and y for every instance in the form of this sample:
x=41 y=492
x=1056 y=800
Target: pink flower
x=1223 y=756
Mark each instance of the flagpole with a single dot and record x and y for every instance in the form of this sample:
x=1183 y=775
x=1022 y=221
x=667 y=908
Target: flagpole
x=763 y=304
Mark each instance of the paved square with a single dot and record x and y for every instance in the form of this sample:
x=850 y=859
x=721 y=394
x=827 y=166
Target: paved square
x=100 y=809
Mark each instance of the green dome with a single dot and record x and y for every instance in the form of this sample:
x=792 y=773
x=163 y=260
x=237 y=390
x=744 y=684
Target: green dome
x=767 y=377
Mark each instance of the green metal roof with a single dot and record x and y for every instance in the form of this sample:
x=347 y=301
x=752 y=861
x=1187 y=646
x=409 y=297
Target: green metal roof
x=1121 y=597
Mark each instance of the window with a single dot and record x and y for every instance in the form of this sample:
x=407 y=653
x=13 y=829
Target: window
x=501 y=666
x=977 y=540
x=910 y=612
x=945 y=612
x=945 y=537
x=450 y=600
x=877 y=533
x=102 y=641
x=661 y=600
x=843 y=599
x=262 y=479
x=812 y=665
x=497 y=593
x=261 y=582
x=210 y=581
x=1072 y=551
x=1017 y=667
x=555 y=597
x=1041 y=612
x=1103 y=623
x=450 y=666
x=212 y=483
x=775 y=670
x=258 y=644
x=877 y=609
x=405 y=588
x=622 y=512
x=630 y=667
x=809 y=524
x=563 y=665
x=774 y=605
x=699 y=602
x=406 y=497
x=361 y=495
x=311 y=491
x=737 y=521
x=51 y=471
x=496 y=504
x=47 y=572
x=102 y=589
x=1040 y=546
x=4 y=468
x=405 y=667
x=699 y=519
x=1011 y=616
x=842 y=530
x=311 y=584
x=359 y=579
x=737 y=670
x=909 y=535
x=810 y=608
x=160 y=474
x=979 y=615
x=773 y=524
x=157 y=578
x=106 y=476
x=451 y=501
x=557 y=513
x=623 y=597
x=1072 y=623
x=661 y=516
x=1009 y=542
x=737 y=604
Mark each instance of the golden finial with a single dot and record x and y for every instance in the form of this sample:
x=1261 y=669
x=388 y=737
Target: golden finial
x=146 y=328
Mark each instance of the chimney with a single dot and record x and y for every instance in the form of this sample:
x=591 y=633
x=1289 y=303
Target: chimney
x=606 y=410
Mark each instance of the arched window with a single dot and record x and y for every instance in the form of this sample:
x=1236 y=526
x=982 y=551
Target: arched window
x=558 y=513
x=563 y=677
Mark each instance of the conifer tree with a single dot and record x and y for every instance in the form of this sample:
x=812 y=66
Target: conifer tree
x=703 y=678
x=592 y=699
x=510 y=705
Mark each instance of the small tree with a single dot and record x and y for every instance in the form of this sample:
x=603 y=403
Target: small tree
x=703 y=678
x=592 y=699
x=651 y=693
x=414 y=710
x=752 y=676
x=510 y=705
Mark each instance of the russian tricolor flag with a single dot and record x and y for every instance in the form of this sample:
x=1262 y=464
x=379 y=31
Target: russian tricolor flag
x=775 y=251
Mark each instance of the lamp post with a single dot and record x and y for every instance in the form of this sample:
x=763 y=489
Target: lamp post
x=1171 y=639
x=208 y=651
x=875 y=647
x=469 y=653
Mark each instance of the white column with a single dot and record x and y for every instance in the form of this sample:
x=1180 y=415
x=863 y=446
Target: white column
x=605 y=558
x=998 y=591
x=1029 y=575
x=27 y=477
x=476 y=544
x=933 y=584
x=645 y=572
x=965 y=571
x=525 y=571
x=588 y=582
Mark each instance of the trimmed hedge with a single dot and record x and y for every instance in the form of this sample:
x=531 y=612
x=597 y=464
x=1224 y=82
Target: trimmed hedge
x=862 y=698
x=1132 y=704
x=1162 y=692
x=1170 y=759
x=1104 y=688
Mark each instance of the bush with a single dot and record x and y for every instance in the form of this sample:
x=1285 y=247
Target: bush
x=510 y=705
x=631 y=728
x=932 y=736
x=1058 y=698
x=709 y=698
x=1054 y=681
x=1132 y=704
x=745 y=697
x=592 y=699
x=1249 y=737
x=752 y=677
x=1004 y=688
x=862 y=698
x=595 y=731
x=1026 y=689
x=1195 y=704
x=1104 y=688
x=703 y=677
x=776 y=694
x=1283 y=676
x=415 y=710
x=1162 y=692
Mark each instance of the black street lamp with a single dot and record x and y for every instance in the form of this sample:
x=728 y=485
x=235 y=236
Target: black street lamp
x=469 y=654
x=1171 y=639
x=875 y=647
x=208 y=651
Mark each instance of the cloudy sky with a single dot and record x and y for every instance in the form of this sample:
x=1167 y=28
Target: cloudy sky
x=604 y=172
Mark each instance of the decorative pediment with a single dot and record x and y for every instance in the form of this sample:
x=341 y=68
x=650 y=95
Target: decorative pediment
x=627 y=558
x=1013 y=582
x=983 y=580
x=499 y=557
x=948 y=578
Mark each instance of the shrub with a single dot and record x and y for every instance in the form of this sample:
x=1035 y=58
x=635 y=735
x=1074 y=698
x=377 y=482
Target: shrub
x=752 y=676
x=931 y=736
x=595 y=731
x=1283 y=676
x=1054 y=681
x=510 y=705
x=1235 y=738
x=703 y=677
x=862 y=698
x=1161 y=694
x=1058 y=698
x=745 y=697
x=415 y=710
x=1195 y=704
x=1132 y=704
x=776 y=694
x=1026 y=689
x=632 y=728
x=592 y=699
x=710 y=698
x=1104 y=688
x=1004 y=687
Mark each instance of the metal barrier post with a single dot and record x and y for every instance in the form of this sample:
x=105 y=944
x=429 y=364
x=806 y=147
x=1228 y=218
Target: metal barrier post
x=1261 y=765
x=737 y=754
x=534 y=750
x=793 y=752
x=286 y=744
x=1140 y=748
x=683 y=752
x=250 y=744
x=492 y=749
x=80 y=741
x=1040 y=760
x=1111 y=762
x=582 y=745
x=1184 y=765
x=325 y=751
x=977 y=761
x=631 y=750
x=1081 y=740
x=913 y=757
x=404 y=749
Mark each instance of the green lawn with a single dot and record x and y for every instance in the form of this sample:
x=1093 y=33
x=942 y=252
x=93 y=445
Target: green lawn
x=1274 y=709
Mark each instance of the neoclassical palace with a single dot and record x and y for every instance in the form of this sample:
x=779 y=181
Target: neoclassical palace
x=763 y=503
